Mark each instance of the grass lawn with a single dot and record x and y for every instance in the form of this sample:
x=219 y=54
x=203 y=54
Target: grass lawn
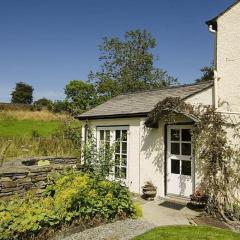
x=24 y=128
x=188 y=233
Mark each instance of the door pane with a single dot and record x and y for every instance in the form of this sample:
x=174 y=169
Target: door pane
x=186 y=168
x=186 y=149
x=186 y=135
x=175 y=148
x=175 y=135
x=175 y=166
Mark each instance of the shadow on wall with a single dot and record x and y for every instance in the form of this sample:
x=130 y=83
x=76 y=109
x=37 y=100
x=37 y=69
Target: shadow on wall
x=152 y=143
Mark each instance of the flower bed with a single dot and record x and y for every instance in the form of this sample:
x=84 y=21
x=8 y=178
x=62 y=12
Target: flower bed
x=74 y=198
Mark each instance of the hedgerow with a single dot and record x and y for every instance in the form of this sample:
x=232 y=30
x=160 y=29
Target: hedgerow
x=74 y=198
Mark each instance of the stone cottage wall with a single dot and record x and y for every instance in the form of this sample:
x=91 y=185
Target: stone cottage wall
x=17 y=177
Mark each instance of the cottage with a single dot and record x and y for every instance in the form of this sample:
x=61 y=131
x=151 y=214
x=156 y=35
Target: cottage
x=164 y=155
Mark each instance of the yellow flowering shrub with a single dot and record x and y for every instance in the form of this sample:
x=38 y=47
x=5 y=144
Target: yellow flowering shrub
x=73 y=197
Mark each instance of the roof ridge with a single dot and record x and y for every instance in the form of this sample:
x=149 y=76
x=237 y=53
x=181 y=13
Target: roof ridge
x=166 y=88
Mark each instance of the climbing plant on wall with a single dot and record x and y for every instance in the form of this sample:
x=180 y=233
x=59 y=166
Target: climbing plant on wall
x=216 y=146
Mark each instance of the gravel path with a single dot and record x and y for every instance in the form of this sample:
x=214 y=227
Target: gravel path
x=120 y=230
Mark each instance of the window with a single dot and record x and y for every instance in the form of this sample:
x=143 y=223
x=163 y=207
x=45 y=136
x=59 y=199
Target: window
x=186 y=168
x=121 y=154
x=175 y=166
x=175 y=134
x=181 y=142
x=186 y=149
x=117 y=137
x=186 y=135
x=175 y=148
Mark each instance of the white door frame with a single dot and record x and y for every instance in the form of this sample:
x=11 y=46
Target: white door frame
x=169 y=177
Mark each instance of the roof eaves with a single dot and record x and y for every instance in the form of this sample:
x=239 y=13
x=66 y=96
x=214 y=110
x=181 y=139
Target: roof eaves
x=126 y=115
x=213 y=21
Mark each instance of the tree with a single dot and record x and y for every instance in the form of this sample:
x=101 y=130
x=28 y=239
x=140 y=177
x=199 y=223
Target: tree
x=80 y=96
x=207 y=74
x=43 y=102
x=59 y=106
x=128 y=65
x=22 y=94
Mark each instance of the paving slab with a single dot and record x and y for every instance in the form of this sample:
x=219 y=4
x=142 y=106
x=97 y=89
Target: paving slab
x=164 y=213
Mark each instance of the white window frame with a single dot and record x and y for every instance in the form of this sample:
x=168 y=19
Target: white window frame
x=112 y=141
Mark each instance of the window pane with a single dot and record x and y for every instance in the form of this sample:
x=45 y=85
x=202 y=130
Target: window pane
x=186 y=149
x=124 y=147
x=123 y=172
x=107 y=135
x=107 y=145
x=175 y=166
x=124 y=135
x=117 y=159
x=175 y=148
x=186 y=135
x=117 y=172
x=117 y=147
x=118 y=135
x=101 y=143
x=186 y=168
x=101 y=134
x=175 y=135
x=124 y=160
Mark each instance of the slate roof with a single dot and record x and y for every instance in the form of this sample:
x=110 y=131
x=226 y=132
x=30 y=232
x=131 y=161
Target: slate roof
x=141 y=103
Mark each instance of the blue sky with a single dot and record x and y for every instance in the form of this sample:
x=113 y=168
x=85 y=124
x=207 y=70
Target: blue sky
x=46 y=43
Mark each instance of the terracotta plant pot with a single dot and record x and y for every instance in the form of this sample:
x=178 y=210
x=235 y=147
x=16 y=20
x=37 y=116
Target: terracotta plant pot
x=149 y=191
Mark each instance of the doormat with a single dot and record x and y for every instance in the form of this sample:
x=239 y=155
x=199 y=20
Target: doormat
x=172 y=205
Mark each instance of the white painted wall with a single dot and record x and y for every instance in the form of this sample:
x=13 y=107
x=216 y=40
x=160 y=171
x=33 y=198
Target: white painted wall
x=228 y=58
x=205 y=97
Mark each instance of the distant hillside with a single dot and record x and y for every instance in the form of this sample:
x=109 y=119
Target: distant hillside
x=11 y=106
x=24 y=123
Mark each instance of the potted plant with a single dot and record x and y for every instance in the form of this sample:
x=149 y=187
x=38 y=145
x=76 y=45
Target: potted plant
x=149 y=191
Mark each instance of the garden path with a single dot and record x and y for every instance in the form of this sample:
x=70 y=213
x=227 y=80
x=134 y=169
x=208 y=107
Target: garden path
x=155 y=213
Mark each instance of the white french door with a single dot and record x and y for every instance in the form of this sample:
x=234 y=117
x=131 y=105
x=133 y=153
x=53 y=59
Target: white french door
x=180 y=167
x=117 y=137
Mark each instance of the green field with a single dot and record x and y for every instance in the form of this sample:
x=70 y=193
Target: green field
x=24 y=128
x=188 y=233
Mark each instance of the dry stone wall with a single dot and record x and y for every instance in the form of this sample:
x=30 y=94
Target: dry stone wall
x=17 y=177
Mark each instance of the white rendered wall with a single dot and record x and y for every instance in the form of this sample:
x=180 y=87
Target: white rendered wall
x=205 y=97
x=228 y=59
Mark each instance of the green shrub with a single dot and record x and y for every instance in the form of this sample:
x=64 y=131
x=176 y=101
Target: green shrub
x=138 y=210
x=74 y=197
